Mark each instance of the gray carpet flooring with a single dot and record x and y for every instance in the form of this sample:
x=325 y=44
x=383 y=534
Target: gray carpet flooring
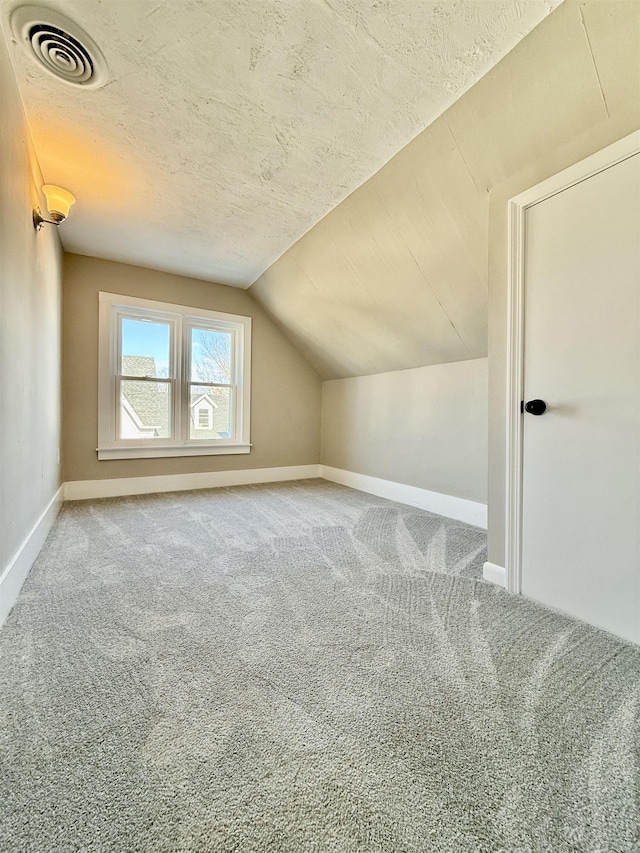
x=302 y=667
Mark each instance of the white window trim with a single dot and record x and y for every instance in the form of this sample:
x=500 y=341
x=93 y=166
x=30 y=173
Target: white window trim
x=181 y=316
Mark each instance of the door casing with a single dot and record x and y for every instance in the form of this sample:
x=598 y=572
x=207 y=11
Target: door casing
x=621 y=150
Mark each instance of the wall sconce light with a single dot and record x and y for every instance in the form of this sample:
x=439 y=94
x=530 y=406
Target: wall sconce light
x=59 y=202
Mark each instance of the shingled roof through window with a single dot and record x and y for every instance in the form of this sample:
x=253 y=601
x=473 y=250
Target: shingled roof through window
x=149 y=400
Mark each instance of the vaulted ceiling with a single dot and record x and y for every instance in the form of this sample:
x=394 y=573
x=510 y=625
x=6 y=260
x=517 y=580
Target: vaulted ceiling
x=226 y=129
x=397 y=275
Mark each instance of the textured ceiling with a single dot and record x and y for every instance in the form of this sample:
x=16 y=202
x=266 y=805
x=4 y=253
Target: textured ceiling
x=397 y=275
x=228 y=128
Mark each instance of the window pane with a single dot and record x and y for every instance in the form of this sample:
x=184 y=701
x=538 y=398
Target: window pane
x=210 y=413
x=145 y=409
x=145 y=348
x=210 y=356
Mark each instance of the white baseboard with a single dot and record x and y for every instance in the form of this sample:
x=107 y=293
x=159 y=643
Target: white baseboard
x=447 y=505
x=16 y=572
x=495 y=574
x=79 y=490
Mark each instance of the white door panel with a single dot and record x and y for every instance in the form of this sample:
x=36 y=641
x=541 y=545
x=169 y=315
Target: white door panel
x=581 y=463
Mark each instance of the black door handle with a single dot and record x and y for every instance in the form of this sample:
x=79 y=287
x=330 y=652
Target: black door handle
x=535 y=407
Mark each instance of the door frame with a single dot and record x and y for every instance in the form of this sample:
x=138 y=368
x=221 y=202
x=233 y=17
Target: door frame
x=610 y=156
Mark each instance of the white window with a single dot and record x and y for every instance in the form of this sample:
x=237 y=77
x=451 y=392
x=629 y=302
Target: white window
x=173 y=381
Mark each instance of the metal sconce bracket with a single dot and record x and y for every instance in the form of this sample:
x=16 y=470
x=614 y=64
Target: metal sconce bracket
x=39 y=220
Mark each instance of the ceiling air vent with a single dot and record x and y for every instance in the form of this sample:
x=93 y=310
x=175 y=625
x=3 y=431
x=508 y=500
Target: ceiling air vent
x=59 y=45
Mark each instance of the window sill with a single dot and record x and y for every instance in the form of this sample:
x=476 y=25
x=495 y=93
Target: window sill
x=158 y=452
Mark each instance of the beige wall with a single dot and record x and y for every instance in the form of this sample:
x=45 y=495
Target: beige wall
x=286 y=391
x=394 y=277
x=417 y=255
x=30 y=304
x=424 y=427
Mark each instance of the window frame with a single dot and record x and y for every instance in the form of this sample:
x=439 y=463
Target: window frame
x=181 y=319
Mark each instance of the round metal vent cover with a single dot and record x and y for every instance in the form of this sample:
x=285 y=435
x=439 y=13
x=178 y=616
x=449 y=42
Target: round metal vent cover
x=59 y=45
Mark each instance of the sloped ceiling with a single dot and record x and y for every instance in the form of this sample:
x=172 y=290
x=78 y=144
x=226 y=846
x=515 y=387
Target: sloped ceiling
x=228 y=128
x=396 y=276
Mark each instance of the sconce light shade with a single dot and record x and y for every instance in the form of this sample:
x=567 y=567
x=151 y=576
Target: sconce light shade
x=59 y=202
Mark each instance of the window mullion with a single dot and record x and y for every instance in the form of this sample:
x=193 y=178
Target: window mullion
x=176 y=361
x=184 y=374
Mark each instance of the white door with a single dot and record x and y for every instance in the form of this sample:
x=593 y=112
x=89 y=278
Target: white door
x=581 y=462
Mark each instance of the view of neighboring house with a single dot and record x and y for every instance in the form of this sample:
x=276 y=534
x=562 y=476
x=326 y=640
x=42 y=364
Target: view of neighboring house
x=210 y=416
x=144 y=409
x=145 y=405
